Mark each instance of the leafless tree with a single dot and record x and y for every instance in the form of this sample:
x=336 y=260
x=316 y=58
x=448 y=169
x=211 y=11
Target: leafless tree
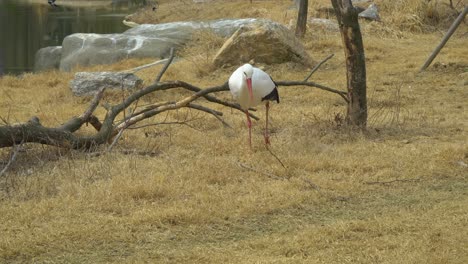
x=347 y=17
x=301 y=25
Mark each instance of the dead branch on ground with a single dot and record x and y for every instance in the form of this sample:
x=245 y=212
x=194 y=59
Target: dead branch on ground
x=392 y=181
x=109 y=128
x=268 y=174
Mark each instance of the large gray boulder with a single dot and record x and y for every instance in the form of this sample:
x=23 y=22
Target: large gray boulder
x=142 y=41
x=264 y=42
x=88 y=83
x=47 y=58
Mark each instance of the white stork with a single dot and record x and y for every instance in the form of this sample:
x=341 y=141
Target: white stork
x=250 y=86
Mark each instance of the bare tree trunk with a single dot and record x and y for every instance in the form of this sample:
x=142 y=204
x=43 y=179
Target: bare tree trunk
x=347 y=17
x=301 y=25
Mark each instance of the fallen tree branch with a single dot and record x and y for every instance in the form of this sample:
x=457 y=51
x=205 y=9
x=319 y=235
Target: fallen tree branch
x=63 y=136
x=268 y=174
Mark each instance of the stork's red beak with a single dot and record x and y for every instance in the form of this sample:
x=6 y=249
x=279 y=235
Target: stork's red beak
x=249 y=87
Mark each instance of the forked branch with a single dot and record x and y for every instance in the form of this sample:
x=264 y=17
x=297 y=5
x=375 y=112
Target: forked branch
x=109 y=128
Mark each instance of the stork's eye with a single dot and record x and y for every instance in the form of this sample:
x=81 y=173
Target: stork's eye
x=245 y=74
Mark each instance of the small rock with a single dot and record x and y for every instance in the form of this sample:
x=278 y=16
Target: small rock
x=89 y=83
x=371 y=13
x=47 y=58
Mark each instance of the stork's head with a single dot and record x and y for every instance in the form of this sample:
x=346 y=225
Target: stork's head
x=247 y=69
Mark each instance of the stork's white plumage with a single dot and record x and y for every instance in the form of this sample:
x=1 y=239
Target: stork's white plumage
x=250 y=86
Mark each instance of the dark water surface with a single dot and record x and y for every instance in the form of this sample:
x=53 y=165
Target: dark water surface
x=27 y=26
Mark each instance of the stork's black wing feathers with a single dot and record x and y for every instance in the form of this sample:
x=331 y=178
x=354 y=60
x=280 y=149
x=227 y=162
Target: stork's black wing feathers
x=274 y=95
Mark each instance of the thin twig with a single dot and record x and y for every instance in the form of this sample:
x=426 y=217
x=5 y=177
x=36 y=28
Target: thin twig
x=185 y=123
x=215 y=113
x=12 y=158
x=276 y=157
x=4 y=120
x=149 y=107
x=318 y=66
x=116 y=138
x=393 y=181
x=141 y=153
x=163 y=70
x=139 y=68
x=203 y=108
x=316 y=85
x=311 y=184
x=268 y=174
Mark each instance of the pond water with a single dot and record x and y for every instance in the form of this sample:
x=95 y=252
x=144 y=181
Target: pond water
x=26 y=26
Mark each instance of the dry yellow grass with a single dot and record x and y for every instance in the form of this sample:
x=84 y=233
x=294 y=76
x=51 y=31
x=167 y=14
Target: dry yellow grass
x=194 y=203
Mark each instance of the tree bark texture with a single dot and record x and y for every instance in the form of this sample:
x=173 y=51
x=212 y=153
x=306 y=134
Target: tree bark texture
x=301 y=25
x=347 y=17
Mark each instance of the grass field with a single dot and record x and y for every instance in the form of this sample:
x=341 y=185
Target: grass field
x=394 y=193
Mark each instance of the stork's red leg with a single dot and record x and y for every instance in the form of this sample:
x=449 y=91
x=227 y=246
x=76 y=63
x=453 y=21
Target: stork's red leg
x=249 y=124
x=267 y=136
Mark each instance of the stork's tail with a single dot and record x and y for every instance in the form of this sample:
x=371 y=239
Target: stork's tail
x=273 y=96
